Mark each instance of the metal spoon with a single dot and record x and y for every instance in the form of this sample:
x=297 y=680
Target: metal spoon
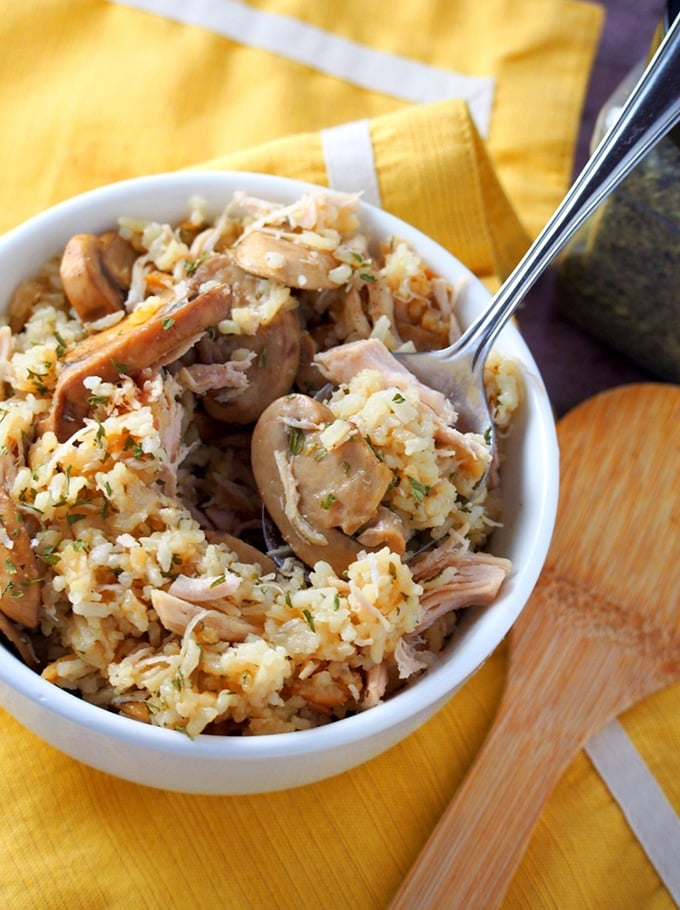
x=651 y=110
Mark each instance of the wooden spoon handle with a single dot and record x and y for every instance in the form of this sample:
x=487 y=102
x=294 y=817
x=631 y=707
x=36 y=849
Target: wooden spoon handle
x=565 y=681
x=478 y=843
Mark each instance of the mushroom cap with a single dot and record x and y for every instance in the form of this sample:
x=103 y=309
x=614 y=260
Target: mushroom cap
x=315 y=496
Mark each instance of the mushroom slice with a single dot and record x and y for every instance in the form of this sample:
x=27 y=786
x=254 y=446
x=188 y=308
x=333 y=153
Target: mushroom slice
x=20 y=642
x=118 y=258
x=385 y=529
x=270 y=374
x=20 y=590
x=95 y=272
x=308 y=378
x=317 y=496
x=289 y=261
x=129 y=347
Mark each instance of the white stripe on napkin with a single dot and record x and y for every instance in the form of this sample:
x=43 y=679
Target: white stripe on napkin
x=649 y=814
x=377 y=71
x=350 y=165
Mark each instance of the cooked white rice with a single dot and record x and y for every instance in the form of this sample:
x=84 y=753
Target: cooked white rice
x=120 y=514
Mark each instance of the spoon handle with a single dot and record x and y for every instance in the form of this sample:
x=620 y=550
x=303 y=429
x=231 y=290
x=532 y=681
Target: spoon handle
x=559 y=692
x=651 y=110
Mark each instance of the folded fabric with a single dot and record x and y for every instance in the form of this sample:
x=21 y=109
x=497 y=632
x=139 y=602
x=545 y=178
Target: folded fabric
x=103 y=91
x=430 y=167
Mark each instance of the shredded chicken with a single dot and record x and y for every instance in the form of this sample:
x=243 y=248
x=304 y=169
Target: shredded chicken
x=339 y=364
x=198 y=590
x=207 y=377
x=376 y=685
x=463 y=579
x=175 y=614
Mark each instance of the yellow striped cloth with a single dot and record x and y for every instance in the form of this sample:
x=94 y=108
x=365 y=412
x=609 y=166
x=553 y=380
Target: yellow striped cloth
x=467 y=114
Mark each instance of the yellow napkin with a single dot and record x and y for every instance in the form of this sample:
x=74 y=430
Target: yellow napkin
x=93 y=92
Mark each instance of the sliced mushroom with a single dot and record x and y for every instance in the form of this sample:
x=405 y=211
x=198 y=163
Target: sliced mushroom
x=290 y=261
x=95 y=272
x=20 y=590
x=128 y=348
x=20 y=641
x=309 y=378
x=271 y=373
x=316 y=496
x=385 y=529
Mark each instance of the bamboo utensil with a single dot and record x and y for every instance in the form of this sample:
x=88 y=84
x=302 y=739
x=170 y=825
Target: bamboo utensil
x=600 y=633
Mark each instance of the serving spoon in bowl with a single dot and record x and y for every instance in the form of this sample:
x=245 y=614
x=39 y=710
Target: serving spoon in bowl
x=651 y=110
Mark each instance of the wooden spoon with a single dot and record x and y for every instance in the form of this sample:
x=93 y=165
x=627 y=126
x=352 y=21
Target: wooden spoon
x=600 y=632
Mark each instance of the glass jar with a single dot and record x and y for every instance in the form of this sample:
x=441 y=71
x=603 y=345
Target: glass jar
x=619 y=276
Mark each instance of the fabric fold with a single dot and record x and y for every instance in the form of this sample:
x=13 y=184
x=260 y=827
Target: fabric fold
x=432 y=170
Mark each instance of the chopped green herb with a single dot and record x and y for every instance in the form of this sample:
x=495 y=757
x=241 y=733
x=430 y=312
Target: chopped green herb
x=190 y=267
x=378 y=454
x=296 y=440
x=38 y=378
x=120 y=367
x=366 y=276
x=398 y=398
x=49 y=555
x=168 y=323
x=419 y=489
x=61 y=345
x=328 y=501
x=310 y=619
x=217 y=581
x=178 y=681
x=74 y=517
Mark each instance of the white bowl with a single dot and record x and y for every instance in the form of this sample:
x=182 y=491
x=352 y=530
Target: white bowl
x=233 y=765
